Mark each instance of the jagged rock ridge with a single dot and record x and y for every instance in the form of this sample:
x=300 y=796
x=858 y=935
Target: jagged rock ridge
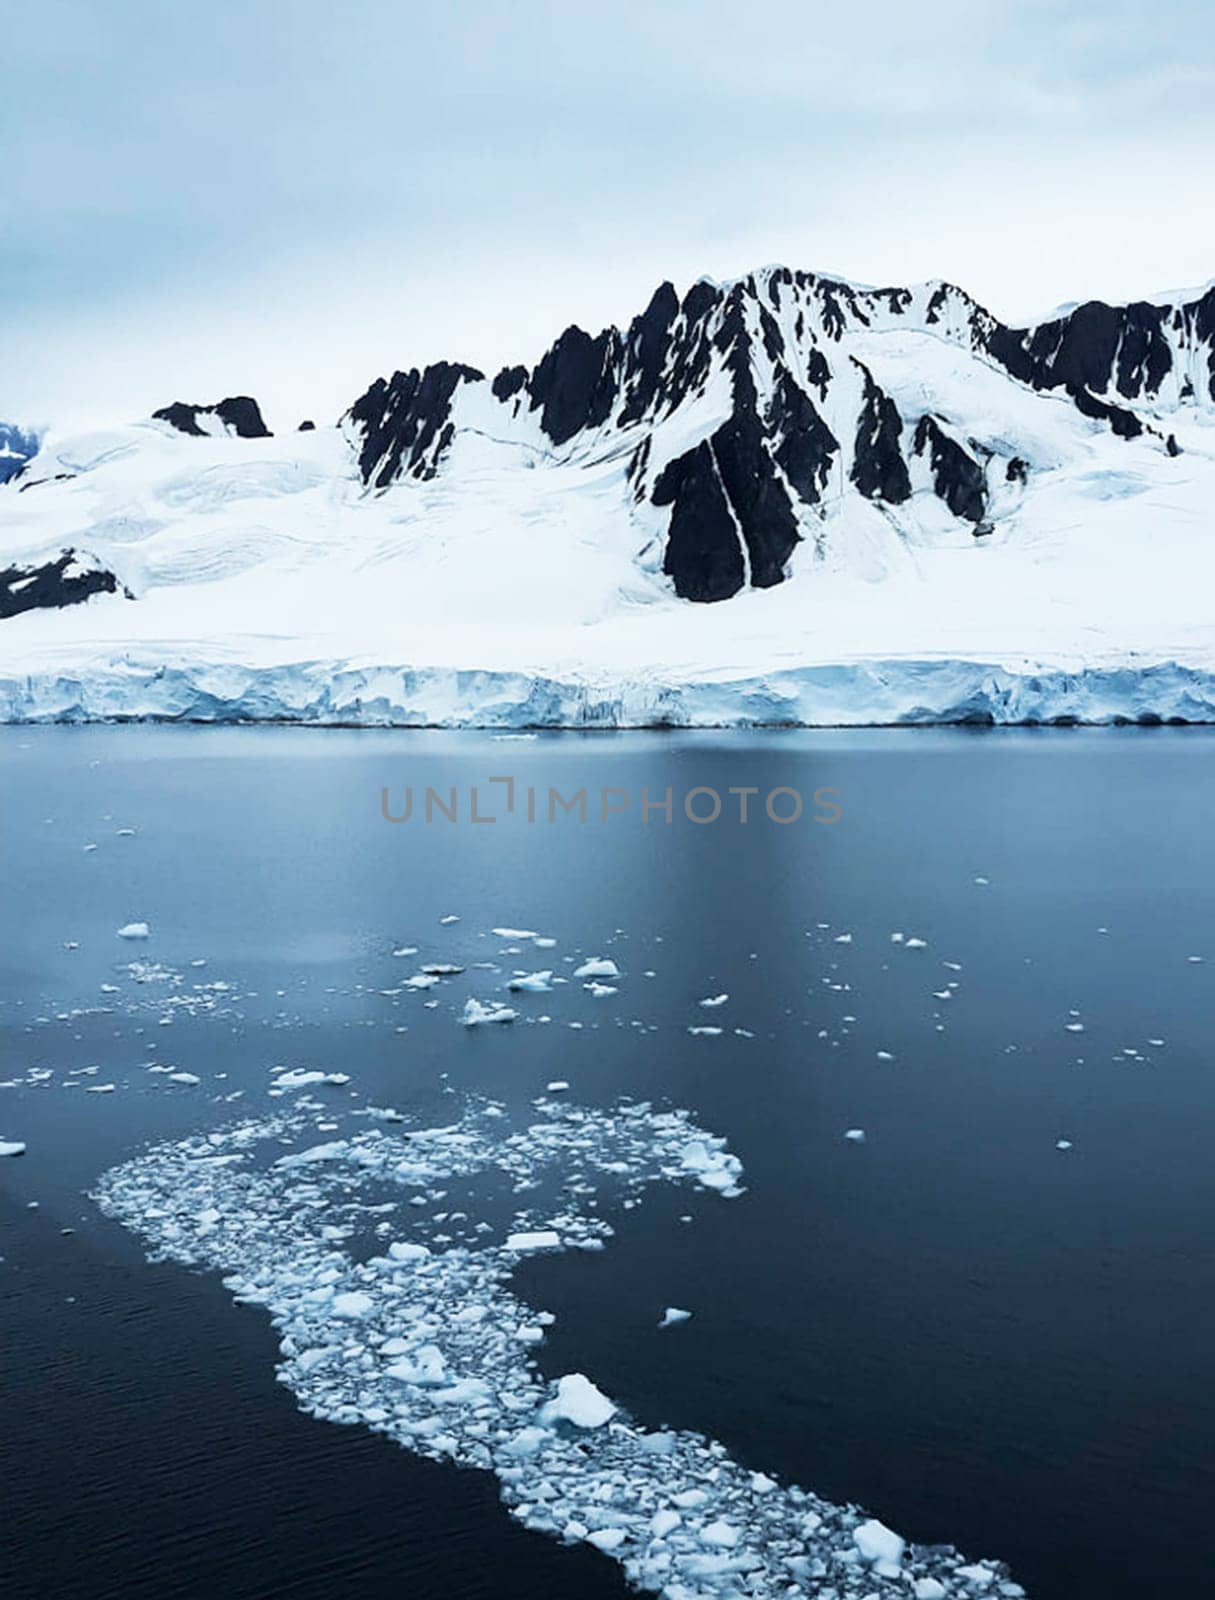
x=749 y=413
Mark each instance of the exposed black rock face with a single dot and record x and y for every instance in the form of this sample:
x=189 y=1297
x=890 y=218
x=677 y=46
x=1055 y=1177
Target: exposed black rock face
x=704 y=548
x=508 y=382
x=1101 y=349
x=405 y=422
x=65 y=581
x=307 y=426
x=573 y=385
x=958 y=478
x=807 y=447
x=240 y=414
x=878 y=468
x=1017 y=470
x=1124 y=423
x=648 y=344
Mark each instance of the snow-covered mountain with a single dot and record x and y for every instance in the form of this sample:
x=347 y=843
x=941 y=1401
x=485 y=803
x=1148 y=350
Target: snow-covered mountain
x=911 y=508
x=16 y=447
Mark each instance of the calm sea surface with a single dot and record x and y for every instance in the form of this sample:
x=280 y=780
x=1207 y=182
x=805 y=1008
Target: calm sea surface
x=981 y=1337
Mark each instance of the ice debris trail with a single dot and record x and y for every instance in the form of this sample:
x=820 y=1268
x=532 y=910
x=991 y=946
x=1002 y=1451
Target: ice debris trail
x=427 y=1343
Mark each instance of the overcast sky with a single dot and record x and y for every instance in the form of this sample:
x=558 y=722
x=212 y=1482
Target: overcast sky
x=288 y=197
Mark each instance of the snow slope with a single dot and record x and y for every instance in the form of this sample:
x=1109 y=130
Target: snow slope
x=910 y=511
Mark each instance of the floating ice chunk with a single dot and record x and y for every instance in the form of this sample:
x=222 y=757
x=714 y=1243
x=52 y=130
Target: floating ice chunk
x=715 y=1000
x=543 y=943
x=843 y=938
x=134 y=930
x=606 y=1539
x=885 y=1055
x=298 y=1078
x=672 y=1315
x=578 y=1401
x=712 y=1166
x=880 y=1546
x=980 y=880
x=915 y=944
x=527 y=1442
x=599 y=991
x=896 y=938
x=855 y=1135
x=406 y=950
x=542 y=1239
x=184 y=1077
x=532 y=983
x=426 y=1368
x=407 y=1253
x=447 y=921
x=529 y=1333
x=11 y=1147
x=107 y=1088
x=441 y=969
x=664 y=1522
x=705 y=1032
x=421 y=980
x=597 y=967
x=929 y=1589
x=352 y=1306
x=475 y=1013
x=1074 y=1027
x=980 y=1576
x=334 y=1151
x=514 y=933
x=721 y=1534
x=1063 y=1144
x=558 y=1086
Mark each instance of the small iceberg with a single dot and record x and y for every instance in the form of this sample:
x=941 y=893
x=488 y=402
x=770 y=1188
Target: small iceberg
x=476 y=1013
x=578 y=1401
x=597 y=967
x=673 y=1315
x=531 y=982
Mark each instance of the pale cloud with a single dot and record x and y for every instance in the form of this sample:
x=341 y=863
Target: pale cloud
x=289 y=199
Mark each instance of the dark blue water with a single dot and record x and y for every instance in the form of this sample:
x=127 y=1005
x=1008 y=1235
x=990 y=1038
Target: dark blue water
x=980 y=1337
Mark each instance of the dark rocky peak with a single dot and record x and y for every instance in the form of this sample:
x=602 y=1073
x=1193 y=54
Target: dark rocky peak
x=239 y=415
x=404 y=422
x=574 y=384
x=66 y=580
x=509 y=382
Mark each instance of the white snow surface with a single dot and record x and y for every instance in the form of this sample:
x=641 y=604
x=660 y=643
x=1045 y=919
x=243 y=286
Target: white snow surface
x=432 y=1347
x=522 y=586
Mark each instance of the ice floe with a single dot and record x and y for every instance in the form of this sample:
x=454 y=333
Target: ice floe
x=673 y=1315
x=597 y=967
x=134 y=930
x=531 y=982
x=476 y=1012
x=433 y=1347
